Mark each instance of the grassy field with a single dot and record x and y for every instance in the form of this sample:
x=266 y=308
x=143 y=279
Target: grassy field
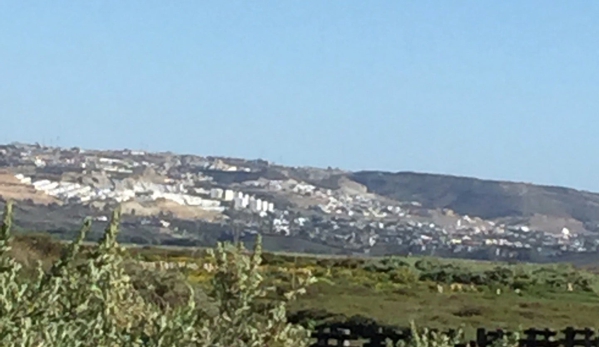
x=484 y=309
x=397 y=290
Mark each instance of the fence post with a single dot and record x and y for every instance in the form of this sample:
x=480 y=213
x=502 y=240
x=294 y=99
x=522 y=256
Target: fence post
x=531 y=337
x=569 y=336
x=376 y=338
x=588 y=334
x=481 y=337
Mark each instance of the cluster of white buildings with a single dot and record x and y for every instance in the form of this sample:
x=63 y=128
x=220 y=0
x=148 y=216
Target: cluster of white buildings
x=254 y=204
x=222 y=194
x=304 y=189
x=65 y=190
x=352 y=205
x=281 y=226
x=113 y=165
x=23 y=179
x=243 y=201
x=185 y=199
x=334 y=202
x=222 y=166
x=141 y=191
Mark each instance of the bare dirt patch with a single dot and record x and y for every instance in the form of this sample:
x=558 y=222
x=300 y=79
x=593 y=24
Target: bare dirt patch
x=154 y=208
x=555 y=224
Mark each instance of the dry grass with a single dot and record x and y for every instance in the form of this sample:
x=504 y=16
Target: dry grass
x=29 y=249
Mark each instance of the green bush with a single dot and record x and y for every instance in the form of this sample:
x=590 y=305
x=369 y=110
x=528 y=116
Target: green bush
x=93 y=302
x=513 y=277
x=385 y=265
x=427 y=338
x=403 y=276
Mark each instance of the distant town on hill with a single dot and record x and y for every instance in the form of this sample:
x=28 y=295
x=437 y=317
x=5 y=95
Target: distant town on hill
x=188 y=200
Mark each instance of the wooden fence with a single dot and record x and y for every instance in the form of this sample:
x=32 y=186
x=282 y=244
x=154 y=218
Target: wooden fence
x=376 y=336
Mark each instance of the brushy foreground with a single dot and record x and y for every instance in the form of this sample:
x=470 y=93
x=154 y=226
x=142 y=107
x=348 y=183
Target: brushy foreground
x=89 y=300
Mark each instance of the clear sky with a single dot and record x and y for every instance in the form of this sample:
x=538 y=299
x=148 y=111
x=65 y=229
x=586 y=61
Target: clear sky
x=492 y=89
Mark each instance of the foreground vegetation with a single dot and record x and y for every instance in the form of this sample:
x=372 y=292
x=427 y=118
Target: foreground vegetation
x=90 y=301
x=397 y=290
x=107 y=296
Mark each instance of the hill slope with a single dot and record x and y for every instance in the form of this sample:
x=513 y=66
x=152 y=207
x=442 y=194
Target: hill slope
x=484 y=198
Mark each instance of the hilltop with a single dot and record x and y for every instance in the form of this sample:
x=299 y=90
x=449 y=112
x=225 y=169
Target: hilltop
x=487 y=199
x=190 y=200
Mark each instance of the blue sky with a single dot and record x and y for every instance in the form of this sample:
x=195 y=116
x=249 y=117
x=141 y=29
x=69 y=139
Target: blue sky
x=492 y=89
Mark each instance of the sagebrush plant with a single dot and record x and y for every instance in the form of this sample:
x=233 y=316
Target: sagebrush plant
x=90 y=301
x=429 y=338
x=509 y=340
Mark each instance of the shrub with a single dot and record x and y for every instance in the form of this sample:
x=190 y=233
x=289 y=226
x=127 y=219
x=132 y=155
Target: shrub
x=403 y=276
x=93 y=302
x=429 y=338
x=384 y=265
x=469 y=311
x=427 y=264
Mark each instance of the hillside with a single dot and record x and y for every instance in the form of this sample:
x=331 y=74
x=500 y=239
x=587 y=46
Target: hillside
x=486 y=199
x=188 y=200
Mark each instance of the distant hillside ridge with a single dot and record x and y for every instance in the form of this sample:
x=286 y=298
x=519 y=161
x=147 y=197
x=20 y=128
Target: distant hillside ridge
x=487 y=199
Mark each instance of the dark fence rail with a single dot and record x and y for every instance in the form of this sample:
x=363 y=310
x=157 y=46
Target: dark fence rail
x=376 y=336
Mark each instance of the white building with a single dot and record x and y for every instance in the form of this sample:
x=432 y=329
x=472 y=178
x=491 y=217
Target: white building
x=229 y=195
x=242 y=201
x=253 y=204
x=23 y=179
x=216 y=193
